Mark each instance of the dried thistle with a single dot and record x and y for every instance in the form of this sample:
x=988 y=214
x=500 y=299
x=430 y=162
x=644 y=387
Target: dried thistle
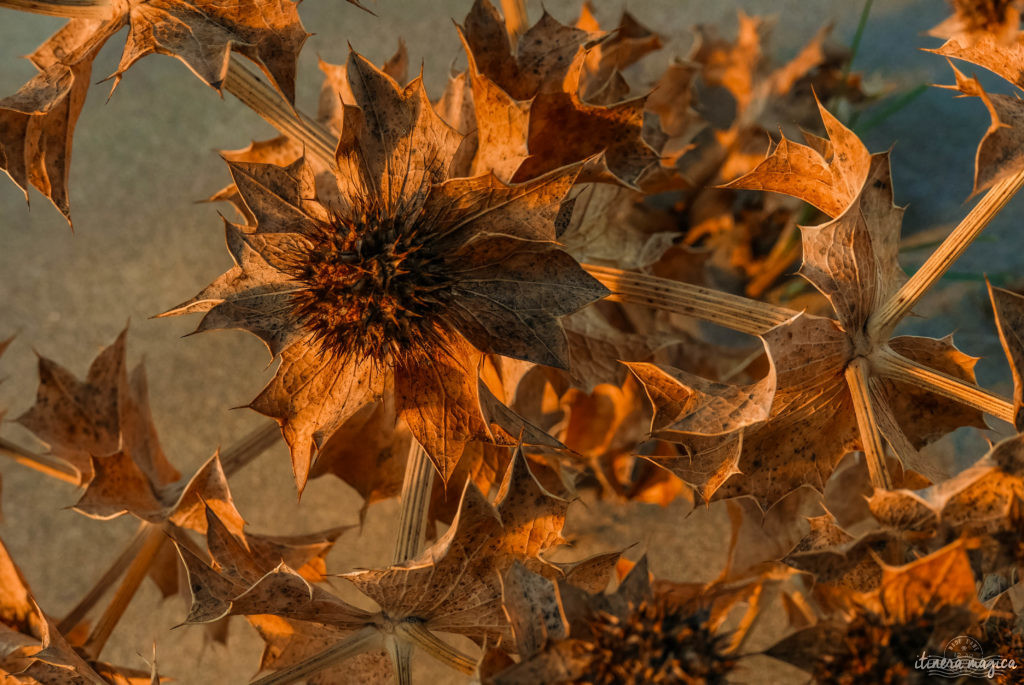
x=394 y=278
x=657 y=642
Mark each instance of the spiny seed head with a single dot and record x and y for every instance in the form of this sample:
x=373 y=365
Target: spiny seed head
x=371 y=286
x=657 y=643
x=985 y=15
x=874 y=652
x=1005 y=637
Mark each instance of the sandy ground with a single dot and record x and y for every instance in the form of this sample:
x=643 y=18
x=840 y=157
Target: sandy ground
x=141 y=245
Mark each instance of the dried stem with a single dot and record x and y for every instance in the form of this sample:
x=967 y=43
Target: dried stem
x=515 y=19
x=439 y=649
x=75 y=9
x=262 y=98
x=857 y=378
x=233 y=459
x=51 y=466
x=732 y=311
x=416 y=487
x=884 y=320
x=238 y=455
x=400 y=651
x=363 y=640
x=123 y=561
x=888 y=363
x=137 y=570
x=888 y=424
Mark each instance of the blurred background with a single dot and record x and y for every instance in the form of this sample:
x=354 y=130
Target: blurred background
x=142 y=244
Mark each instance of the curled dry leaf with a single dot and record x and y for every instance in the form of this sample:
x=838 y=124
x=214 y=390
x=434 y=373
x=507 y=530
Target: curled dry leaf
x=482 y=542
x=403 y=286
x=993 y=40
x=989 y=35
x=1009 y=313
x=626 y=44
x=39 y=120
x=203 y=34
x=369 y=453
x=565 y=129
x=998 y=155
x=828 y=174
x=540 y=61
x=106 y=413
x=531 y=109
x=240 y=561
x=610 y=225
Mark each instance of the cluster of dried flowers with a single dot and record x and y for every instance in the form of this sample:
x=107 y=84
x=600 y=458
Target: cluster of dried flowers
x=485 y=303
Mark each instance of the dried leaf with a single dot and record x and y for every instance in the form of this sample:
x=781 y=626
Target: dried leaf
x=484 y=540
x=998 y=155
x=828 y=177
x=1009 y=310
x=203 y=34
x=37 y=123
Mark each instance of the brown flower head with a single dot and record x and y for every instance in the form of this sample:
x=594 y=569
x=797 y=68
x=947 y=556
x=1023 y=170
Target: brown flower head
x=657 y=643
x=999 y=17
x=389 y=276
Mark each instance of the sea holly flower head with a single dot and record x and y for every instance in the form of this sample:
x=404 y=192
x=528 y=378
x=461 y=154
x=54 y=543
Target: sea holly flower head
x=388 y=276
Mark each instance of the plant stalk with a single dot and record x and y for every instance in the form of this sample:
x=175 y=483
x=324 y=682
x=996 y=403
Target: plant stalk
x=415 y=498
x=732 y=311
x=51 y=466
x=419 y=634
x=857 y=375
x=400 y=651
x=262 y=98
x=123 y=561
x=890 y=364
x=362 y=640
x=238 y=455
x=515 y=19
x=73 y=9
x=137 y=570
x=885 y=318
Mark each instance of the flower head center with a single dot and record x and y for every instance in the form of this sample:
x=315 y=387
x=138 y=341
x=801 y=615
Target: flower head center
x=372 y=287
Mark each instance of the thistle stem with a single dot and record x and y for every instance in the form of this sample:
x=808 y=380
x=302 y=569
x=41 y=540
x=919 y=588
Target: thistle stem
x=885 y=318
x=363 y=640
x=51 y=466
x=515 y=19
x=233 y=459
x=262 y=98
x=73 y=9
x=238 y=455
x=732 y=311
x=892 y=365
x=123 y=561
x=436 y=647
x=400 y=651
x=416 y=487
x=857 y=375
x=888 y=424
x=137 y=570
